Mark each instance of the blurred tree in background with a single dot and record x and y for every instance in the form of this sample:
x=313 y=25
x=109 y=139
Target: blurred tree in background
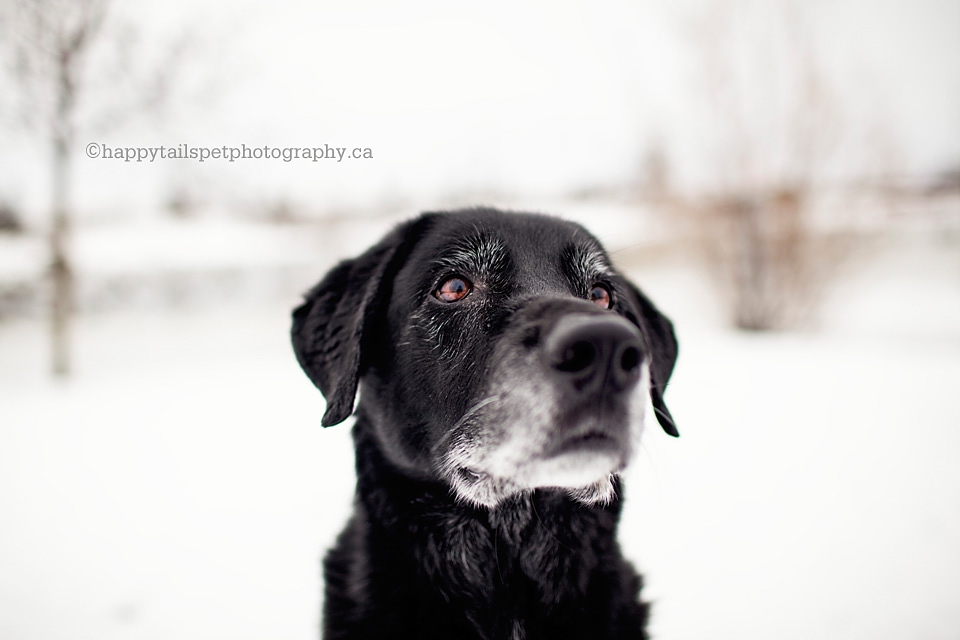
x=777 y=126
x=58 y=52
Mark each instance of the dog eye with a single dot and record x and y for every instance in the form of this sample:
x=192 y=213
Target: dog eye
x=452 y=290
x=600 y=296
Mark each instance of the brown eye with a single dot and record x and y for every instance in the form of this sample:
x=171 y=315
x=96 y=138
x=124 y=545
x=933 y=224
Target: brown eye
x=452 y=290
x=600 y=296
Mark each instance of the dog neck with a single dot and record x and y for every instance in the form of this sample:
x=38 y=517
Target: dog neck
x=535 y=555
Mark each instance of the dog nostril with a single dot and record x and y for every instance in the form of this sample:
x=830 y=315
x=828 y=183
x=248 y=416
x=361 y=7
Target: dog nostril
x=577 y=357
x=593 y=355
x=630 y=359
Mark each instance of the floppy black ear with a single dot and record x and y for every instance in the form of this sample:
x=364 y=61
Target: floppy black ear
x=663 y=343
x=329 y=327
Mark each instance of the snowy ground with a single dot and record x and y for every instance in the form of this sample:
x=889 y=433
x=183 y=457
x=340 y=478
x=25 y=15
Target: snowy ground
x=180 y=486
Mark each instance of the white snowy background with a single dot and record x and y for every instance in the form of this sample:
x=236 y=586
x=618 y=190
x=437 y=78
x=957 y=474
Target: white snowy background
x=179 y=485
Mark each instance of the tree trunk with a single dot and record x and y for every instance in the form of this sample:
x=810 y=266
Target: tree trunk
x=61 y=271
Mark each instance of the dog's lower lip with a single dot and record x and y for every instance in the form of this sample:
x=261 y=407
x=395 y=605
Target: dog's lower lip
x=590 y=441
x=470 y=475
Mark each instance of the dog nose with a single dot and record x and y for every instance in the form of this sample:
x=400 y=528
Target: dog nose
x=595 y=354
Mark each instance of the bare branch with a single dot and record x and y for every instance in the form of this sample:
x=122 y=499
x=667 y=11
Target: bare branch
x=778 y=124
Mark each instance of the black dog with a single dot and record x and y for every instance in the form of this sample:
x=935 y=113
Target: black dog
x=506 y=372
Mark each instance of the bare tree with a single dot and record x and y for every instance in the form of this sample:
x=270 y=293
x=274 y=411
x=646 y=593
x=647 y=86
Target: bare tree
x=777 y=126
x=50 y=41
x=52 y=45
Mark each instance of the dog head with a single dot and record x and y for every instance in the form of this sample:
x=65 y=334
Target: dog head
x=495 y=352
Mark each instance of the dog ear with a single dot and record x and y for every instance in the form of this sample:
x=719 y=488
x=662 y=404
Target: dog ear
x=330 y=327
x=663 y=343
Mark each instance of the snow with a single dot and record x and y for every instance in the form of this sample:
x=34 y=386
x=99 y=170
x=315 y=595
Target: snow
x=181 y=486
x=814 y=491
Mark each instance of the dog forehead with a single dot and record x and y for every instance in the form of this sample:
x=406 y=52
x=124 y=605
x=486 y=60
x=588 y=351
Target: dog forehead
x=484 y=240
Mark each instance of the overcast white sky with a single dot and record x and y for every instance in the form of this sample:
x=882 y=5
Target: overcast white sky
x=529 y=97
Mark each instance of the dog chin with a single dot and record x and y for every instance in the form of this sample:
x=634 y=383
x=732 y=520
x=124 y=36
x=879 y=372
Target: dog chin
x=587 y=477
x=578 y=470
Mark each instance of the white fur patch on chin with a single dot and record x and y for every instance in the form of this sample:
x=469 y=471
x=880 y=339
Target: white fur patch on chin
x=587 y=477
x=488 y=492
x=574 y=470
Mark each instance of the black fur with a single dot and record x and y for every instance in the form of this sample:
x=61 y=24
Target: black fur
x=423 y=556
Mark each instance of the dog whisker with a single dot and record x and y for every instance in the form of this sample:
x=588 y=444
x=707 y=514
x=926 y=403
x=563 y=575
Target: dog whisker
x=469 y=413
